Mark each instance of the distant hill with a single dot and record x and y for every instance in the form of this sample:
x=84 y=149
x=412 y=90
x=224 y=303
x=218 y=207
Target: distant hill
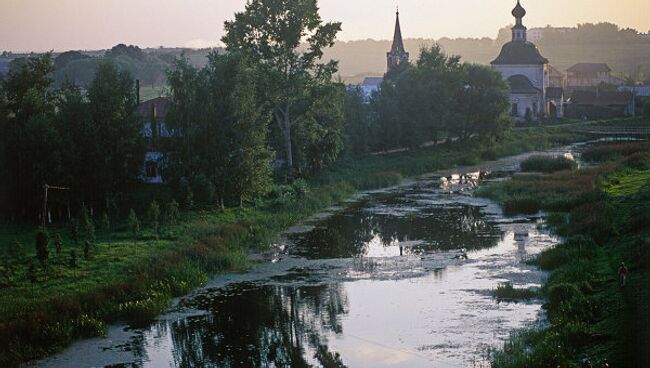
x=626 y=51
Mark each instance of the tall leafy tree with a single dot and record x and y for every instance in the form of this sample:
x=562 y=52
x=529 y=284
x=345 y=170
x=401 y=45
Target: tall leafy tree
x=28 y=139
x=272 y=32
x=357 y=123
x=482 y=103
x=113 y=105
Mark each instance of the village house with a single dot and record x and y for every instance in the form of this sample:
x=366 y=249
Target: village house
x=590 y=75
x=154 y=130
x=601 y=104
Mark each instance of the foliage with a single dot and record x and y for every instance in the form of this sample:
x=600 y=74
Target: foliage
x=547 y=164
x=437 y=97
x=42 y=250
x=153 y=215
x=134 y=225
x=58 y=243
x=507 y=291
x=172 y=213
x=292 y=77
x=88 y=224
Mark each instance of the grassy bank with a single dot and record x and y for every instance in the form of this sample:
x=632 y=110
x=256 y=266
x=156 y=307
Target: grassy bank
x=603 y=213
x=133 y=278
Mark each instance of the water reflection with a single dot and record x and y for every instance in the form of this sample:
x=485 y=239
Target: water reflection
x=405 y=223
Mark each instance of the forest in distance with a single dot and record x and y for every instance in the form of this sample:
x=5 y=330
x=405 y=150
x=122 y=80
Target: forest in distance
x=628 y=52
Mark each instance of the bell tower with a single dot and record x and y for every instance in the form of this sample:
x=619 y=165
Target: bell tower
x=397 y=55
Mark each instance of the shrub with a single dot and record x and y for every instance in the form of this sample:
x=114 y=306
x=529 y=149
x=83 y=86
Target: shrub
x=172 y=213
x=507 y=291
x=73 y=259
x=153 y=215
x=58 y=243
x=74 y=231
x=42 y=251
x=573 y=249
x=547 y=164
x=89 y=226
x=203 y=189
x=106 y=223
x=134 y=225
x=87 y=249
x=567 y=303
x=87 y=327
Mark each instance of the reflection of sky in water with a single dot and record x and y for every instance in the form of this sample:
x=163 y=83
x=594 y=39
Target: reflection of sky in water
x=420 y=309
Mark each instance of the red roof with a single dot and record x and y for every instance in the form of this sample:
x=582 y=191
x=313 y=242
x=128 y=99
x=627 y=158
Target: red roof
x=589 y=68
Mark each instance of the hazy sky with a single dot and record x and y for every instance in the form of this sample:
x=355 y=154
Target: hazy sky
x=91 y=24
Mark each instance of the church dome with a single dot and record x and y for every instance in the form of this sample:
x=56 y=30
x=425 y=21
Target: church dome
x=519 y=53
x=518 y=11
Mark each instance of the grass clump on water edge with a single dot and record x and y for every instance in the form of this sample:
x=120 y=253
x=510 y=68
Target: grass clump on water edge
x=548 y=164
x=506 y=291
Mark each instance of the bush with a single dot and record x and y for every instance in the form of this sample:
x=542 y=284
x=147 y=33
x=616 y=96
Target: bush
x=567 y=303
x=58 y=243
x=172 y=213
x=573 y=249
x=203 y=189
x=134 y=225
x=547 y=164
x=89 y=226
x=42 y=251
x=153 y=215
x=507 y=291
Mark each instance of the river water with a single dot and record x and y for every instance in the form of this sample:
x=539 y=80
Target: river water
x=379 y=282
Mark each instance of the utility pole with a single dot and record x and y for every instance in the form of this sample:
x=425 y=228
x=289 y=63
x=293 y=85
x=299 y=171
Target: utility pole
x=46 y=188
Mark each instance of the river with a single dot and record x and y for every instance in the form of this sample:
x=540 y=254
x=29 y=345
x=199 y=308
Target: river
x=381 y=281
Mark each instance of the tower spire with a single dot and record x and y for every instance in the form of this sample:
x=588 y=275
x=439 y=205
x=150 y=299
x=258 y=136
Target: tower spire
x=519 y=30
x=397 y=55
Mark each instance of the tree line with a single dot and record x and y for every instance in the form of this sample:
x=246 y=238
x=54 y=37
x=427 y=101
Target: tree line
x=269 y=110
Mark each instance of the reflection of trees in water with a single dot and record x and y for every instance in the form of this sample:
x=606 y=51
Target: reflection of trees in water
x=264 y=326
x=348 y=234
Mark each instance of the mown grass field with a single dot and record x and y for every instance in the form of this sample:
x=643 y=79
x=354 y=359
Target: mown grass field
x=43 y=310
x=603 y=213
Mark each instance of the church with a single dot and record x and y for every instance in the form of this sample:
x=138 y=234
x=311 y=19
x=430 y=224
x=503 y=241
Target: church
x=531 y=95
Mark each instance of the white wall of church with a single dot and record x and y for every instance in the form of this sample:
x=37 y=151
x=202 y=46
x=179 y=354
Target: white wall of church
x=525 y=102
x=537 y=74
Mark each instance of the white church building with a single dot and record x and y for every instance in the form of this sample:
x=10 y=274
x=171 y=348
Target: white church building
x=527 y=72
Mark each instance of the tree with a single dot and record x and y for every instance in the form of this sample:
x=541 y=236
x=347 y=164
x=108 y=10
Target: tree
x=134 y=225
x=484 y=100
x=272 y=31
x=88 y=225
x=58 y=243
x=42 y=251
x=112 y=108
x=153 y=215
x=172 y=213
x=357 y=123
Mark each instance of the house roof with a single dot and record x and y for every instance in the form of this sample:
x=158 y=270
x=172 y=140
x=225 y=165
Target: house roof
x=162 y=107
x=554 y=92
x=519 y=53
x=602 y=98
x=589 y=68
x=519 y=84
x=554 y=72
x=372 y=81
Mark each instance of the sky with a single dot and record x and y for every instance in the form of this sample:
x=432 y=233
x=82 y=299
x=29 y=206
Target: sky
x=40 y=25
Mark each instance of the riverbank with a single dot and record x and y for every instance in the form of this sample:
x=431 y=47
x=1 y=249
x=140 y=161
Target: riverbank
x=121 y=279
x=602 y=211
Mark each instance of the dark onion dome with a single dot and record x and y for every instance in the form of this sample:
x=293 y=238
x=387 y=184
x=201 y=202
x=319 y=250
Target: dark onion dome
x=519 y=53
x=518 y=11
x=520 y=84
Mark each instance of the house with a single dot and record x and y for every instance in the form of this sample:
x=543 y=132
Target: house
x=154 y=130
x=369 y=86
x=556 y=78
x=600 y=104
x=639 y=91
x=527 y=71
x=585 y=75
